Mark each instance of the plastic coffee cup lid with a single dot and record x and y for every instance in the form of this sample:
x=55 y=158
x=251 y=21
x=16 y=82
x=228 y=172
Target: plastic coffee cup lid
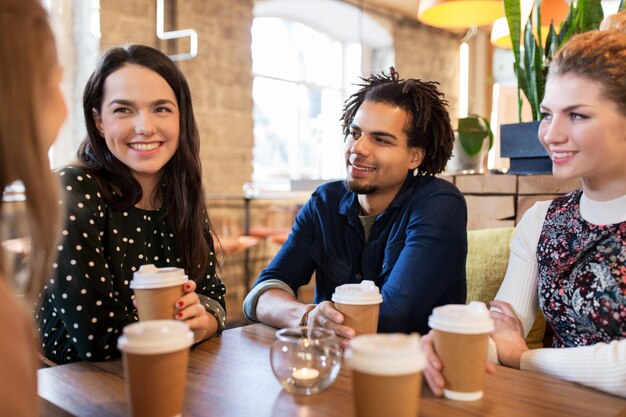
x=149 y=276
x=472 y=318
x=386 y=354
x=155 y=336
x=359 y=294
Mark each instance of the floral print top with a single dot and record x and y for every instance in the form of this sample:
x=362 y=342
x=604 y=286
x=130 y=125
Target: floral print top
x=582 y=276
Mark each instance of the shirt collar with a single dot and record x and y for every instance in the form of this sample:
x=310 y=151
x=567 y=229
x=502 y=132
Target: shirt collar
x=349 y=205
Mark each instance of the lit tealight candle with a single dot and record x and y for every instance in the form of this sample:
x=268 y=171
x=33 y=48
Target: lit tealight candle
x=305 y=377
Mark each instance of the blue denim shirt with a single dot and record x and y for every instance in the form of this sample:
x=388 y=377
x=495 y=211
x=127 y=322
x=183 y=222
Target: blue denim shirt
x=415 y=252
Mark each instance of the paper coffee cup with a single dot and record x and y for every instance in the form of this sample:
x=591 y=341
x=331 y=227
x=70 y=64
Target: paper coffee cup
x=461 y=337
x=386 y=374
x=155 y=355
x=157 y=290
x=359 y=304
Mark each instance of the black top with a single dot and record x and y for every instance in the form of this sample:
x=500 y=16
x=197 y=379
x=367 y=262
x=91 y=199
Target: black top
x=88 y=301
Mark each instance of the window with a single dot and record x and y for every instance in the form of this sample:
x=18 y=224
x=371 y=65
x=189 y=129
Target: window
x=302 y=76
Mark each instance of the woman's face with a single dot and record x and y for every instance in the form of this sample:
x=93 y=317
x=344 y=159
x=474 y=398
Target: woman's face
x=139 y=121
x=583 y=132
x=54 y=109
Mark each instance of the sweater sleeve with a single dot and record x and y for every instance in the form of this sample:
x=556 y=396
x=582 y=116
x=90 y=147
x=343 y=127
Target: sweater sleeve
x=211 y=291
x=519 y=287
x=601 y=366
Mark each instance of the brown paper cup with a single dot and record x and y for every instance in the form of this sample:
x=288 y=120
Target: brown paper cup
x=362 y=318
x=386 y=395
x=155 y=355
x=155 y=384
x=157 y=303
x=464 y=357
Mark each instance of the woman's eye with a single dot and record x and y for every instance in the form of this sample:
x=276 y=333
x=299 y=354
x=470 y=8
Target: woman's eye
x=381 y=140
x=577 y=116
x=121 y=110
x=545 y=116
x=162 y=110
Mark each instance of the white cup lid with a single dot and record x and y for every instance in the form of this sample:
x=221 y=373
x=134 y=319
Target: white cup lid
x=472 y=318
x=360 y=294
x=155 y=336
x=149 y=276
x=386 y=354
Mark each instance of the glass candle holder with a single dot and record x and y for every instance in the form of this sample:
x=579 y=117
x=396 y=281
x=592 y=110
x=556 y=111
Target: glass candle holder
x=305 y=360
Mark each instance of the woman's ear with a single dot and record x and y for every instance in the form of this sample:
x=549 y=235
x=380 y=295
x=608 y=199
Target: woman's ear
x=97 y=120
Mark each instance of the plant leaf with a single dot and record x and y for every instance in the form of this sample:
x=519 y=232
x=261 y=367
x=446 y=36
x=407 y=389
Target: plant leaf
x=514 y=21
x=533 y=67
x=552 y=43
x=472 y=131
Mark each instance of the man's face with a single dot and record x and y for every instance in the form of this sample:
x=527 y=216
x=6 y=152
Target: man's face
x=378 y=157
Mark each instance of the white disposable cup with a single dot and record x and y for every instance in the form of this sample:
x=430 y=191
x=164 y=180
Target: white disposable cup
x=157 y=290
x=155 y=355
x=461 y=337
x=360 y=305
x=386 y=374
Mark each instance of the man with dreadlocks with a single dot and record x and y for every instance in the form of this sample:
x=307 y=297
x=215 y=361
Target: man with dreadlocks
x=391 y=221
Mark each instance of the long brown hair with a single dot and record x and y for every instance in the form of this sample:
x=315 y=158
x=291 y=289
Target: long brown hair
x=181 y=181
x=27 y=57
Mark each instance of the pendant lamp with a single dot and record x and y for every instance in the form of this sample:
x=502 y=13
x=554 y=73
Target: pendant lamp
x=459 y=14
x=551 y=11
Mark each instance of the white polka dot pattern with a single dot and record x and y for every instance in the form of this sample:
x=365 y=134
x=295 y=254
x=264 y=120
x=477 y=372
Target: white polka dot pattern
x=88 y=300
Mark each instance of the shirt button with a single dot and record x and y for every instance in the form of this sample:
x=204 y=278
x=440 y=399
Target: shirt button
x=358 y=276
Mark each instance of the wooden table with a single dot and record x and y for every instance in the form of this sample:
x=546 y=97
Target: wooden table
x=230 y=376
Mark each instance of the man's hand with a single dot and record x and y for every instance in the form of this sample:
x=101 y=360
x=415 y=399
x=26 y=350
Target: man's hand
x=327 y=316
x=508 y=334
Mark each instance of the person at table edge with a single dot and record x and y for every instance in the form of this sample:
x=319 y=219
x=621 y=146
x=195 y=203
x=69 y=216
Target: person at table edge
x=391 y=221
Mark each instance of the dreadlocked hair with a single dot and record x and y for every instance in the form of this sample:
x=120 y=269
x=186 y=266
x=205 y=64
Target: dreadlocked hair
x=429 y=125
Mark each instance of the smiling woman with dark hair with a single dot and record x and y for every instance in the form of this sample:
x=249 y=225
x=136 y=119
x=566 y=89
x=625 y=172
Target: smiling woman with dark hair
x=135 y=197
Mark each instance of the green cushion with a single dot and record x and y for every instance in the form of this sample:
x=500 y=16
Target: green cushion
x=487 y=260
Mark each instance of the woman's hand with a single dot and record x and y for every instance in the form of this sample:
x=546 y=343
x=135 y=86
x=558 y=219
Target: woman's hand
x=433 y=370
x=508 y=334
x=191 y=311
x=327 y=316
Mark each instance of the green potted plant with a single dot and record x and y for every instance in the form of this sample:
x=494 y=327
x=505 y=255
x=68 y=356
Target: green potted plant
x=470 y=144
x=519 y=141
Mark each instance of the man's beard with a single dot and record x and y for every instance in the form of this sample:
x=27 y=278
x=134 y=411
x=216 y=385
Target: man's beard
x=361 y=189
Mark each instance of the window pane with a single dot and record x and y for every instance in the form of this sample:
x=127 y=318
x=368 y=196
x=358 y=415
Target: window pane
x=273 y=52
x=275 y=124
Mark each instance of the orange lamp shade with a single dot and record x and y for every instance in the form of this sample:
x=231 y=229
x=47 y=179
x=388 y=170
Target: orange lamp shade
x=551 y=11
x=458 y=14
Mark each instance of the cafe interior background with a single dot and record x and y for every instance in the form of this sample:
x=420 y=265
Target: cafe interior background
x=268 y=79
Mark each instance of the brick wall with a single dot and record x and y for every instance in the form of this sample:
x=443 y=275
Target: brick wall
x=220 y=76
x=430 y=54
